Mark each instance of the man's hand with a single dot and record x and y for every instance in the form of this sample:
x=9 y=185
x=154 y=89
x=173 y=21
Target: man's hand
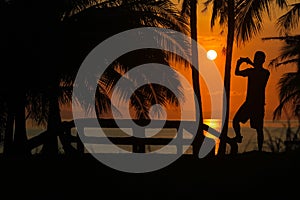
x=246 y=60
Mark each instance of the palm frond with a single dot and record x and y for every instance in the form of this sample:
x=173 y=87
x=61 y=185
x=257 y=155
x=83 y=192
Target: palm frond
x=134 y=14
x=37 y=107
x=289 y=92
x=112 y=75
x=169 y=78
x=152 y=94
x=186 y=8
x=142 y=98
x=73 y=7
x=288 y=102
x=289 y=83
x=276 y=62
x=219 y=11
x=281 y=3
x=290 y=51
x=158 y=13
x=103 y=102
x=249 y=19
x=290 y=20
x=178 y=46
x=139 y=103
x=250 y=15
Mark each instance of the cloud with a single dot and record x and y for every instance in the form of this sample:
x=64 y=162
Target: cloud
x=232 y=93
x=236 y=93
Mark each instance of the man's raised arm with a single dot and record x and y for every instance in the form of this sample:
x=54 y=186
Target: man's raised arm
x=239 y=72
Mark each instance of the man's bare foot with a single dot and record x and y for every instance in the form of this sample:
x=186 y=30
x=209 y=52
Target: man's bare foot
x=238 y=138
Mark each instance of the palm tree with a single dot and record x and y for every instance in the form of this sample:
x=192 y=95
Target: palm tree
x=153 y=13
x=128 y=14
x=289 y=90
x=2 y=118
x=288 y=85
x=132 y=13
x=150 y=94
x=189 y=8
x=243 y=20
x=290 y=20
x=17 y=50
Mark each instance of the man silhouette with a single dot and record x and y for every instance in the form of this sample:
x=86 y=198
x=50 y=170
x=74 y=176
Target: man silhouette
x=253 y=107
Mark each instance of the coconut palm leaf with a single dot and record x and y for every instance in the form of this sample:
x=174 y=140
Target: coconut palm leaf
x=128 y=13
x=219 y=12
x=289 y=102
x=290 y=20
x=289 y=84
x=151 y=94
x=186 y=8
x=72 y=7
x=290 y=51
x=141 y=99
x=103 y=101
x=249 y=17
x=276 y=63
x=157 y=13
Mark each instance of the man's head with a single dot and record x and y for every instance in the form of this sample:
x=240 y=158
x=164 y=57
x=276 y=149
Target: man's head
x=259 y=58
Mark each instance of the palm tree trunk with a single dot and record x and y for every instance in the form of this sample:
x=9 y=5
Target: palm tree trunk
x=20 y=135
x=196 y=81
x=9 y=129
x=50 y=147
x=227 y=75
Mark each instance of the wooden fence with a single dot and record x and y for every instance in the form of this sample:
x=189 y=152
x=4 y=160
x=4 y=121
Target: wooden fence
x=138 y=143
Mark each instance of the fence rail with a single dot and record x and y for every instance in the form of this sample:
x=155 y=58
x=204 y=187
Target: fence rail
x=138 y=141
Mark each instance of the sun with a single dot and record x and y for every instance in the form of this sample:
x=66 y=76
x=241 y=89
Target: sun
x=211 y=54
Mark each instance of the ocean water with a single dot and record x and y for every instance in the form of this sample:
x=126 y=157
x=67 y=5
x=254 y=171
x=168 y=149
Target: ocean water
x=274 y=131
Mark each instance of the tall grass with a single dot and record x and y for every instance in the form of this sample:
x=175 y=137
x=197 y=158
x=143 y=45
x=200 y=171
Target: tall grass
x=274 y=144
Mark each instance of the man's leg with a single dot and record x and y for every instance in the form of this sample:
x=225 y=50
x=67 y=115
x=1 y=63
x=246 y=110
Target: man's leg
x=236 y=126
x=237 y=129
x=260 y=138
x=240 y=117
x=257 y=122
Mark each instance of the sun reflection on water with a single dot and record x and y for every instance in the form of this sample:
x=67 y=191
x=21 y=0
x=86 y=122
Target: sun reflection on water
x=215 y=124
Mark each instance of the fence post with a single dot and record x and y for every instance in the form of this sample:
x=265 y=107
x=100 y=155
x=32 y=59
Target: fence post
x=179 y=139
x=79 y=144
x=138 y=145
